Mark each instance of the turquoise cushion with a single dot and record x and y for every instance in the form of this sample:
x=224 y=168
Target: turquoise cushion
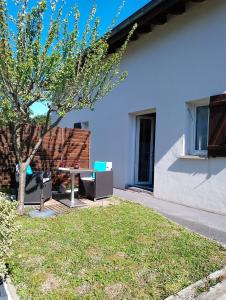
x=100 y=166
x=29 y=170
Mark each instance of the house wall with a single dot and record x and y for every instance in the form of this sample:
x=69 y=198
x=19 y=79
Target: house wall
x=181 y=61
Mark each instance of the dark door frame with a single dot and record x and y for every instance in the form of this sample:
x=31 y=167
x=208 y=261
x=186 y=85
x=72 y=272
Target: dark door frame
x=148 y=185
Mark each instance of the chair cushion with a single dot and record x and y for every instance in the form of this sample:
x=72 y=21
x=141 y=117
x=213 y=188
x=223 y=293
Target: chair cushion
x=88 y=178
x=100 y=166
x=108 y=166
x=29 y=170
x=46 y=179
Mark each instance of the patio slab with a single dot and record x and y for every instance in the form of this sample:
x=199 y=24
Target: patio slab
x=60 y=208
x=47 y=213
x=77 y=203
x=102 y=202
x=209 y=224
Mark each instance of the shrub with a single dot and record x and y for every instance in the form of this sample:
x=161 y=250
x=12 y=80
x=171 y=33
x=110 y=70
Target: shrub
x=8 y=228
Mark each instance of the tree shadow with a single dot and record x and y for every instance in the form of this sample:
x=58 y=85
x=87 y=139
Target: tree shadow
x=208 y=167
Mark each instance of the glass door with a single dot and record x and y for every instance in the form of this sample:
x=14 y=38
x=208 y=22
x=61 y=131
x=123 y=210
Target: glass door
x=144 y=151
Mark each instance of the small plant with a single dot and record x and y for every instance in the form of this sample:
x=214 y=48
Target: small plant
x=8 y=228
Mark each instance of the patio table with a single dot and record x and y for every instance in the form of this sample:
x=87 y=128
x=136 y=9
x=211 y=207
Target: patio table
x=73 y=202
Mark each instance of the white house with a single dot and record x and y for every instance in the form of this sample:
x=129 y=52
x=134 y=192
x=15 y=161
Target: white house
x=158 y=127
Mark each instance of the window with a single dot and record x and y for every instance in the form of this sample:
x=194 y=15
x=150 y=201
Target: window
x=82 y=125
x=198 y=128
x=205 y=127
x=201 y=128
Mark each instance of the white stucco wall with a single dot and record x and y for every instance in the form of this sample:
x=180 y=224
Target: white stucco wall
x=180 y=61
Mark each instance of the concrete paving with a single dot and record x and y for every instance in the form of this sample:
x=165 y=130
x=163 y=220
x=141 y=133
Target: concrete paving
x=217 y=292
x=209 y=224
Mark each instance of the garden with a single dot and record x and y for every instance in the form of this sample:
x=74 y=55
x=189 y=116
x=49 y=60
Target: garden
x=122 y=251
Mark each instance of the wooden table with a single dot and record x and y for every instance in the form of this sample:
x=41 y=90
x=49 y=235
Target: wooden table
x=73 y=202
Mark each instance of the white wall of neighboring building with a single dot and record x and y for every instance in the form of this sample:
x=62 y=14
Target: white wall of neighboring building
x=181 y=61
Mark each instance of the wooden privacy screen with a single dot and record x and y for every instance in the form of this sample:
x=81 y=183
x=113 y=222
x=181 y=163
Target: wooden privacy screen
x=61 y=146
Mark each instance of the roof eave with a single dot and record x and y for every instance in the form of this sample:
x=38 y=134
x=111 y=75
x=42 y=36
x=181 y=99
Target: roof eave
x=153 y=13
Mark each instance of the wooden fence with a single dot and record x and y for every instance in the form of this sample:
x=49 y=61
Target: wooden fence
x=61 y=146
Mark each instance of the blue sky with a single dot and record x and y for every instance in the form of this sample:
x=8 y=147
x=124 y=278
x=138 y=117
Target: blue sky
x=106 y=10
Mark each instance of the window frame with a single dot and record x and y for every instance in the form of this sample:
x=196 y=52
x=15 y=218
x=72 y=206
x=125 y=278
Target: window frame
x=194 y=107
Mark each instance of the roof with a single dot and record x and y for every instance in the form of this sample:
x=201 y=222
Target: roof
x=152 y=14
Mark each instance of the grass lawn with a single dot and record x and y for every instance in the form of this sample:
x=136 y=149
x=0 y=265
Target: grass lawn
x=117 y=252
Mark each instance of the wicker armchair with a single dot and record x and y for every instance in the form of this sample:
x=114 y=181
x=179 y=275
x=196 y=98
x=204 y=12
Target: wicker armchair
x=97 y=185
x=38 y=185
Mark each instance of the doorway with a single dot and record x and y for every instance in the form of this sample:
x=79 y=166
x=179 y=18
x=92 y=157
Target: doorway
x=144 y=154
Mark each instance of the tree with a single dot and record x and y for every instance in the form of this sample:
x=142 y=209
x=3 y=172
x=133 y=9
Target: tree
x=53 y=64
x=40 y=120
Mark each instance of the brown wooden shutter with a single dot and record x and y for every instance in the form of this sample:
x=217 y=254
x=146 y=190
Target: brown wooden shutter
x=217 y=126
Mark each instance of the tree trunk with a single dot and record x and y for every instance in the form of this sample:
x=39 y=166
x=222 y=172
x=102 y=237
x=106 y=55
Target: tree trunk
x=42 y=206
x=21 y=191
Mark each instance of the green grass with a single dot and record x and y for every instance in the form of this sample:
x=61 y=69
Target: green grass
x=116 y=252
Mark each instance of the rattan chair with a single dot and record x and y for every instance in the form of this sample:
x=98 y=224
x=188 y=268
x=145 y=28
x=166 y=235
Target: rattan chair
x=38 y=185
x=96 y=185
